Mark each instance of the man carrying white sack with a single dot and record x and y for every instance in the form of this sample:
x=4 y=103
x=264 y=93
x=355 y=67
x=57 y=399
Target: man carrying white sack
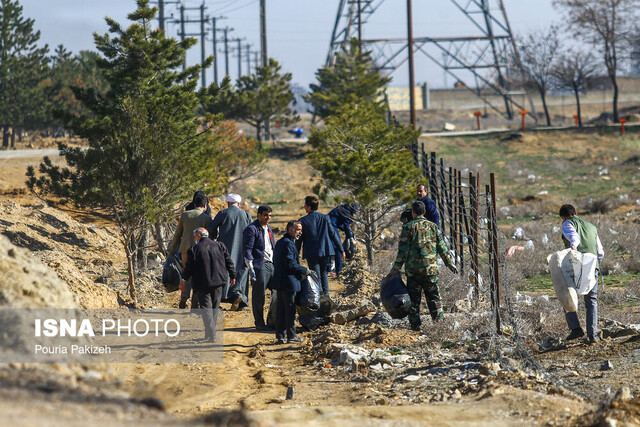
x=582 y=236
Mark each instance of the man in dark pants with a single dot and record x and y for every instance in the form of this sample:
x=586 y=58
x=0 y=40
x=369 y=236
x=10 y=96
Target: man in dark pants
x=286 y=280
x=318 y=241
x=582 y=236
x=208 y=263
x=258 y=244
x=418 y=248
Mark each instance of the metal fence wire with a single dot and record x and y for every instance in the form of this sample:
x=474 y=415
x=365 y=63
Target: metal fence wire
x=468 y=222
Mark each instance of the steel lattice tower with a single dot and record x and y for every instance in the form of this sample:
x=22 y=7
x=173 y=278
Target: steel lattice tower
x=480 y=59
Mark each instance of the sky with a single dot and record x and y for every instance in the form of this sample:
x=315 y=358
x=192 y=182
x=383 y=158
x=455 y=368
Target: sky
x=298 y=31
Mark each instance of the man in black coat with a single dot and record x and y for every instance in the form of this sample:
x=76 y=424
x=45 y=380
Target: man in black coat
x=286 y=280
x=319 y=241
x=208 y=263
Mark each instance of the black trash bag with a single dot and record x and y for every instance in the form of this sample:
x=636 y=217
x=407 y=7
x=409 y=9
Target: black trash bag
x=312 y=321
x=171 y=275
x=310 y=292
x=350 y=248
x=327 y=306
x=395 y=297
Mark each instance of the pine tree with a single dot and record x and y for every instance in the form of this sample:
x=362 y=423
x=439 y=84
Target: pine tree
x=366 y=160
x=147 y=150
x=264 y=96
x=351 y=80
x=22 y=68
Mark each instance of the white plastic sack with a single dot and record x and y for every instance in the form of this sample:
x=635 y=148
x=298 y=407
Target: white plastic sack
x=572 y=274
x=579 y=270
x=567 y=295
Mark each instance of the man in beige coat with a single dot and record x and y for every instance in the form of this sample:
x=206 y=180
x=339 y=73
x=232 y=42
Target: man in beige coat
x=189 y=221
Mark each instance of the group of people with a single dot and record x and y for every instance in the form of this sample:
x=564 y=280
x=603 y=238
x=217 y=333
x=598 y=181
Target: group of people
x=219 y=270
x=220 y=254
x=421 y=242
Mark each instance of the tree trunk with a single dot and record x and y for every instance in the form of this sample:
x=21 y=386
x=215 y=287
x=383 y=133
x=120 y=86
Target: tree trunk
x=5 y=136
x=616 y=89
x=160 y=236
x=142 y=249
x=543 y=95
x=132 y=283
x=577 y=93
x=20 y=134
x=13 y=137
x=369 y=233
x=259 y=132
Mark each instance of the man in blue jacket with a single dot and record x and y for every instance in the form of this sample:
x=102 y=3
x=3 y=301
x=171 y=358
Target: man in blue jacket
x=288 y=274
x=318 y=241
x=258 y=245
x=431 y=212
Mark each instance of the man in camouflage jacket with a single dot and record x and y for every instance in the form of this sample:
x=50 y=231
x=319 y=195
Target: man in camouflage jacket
x=420 y=243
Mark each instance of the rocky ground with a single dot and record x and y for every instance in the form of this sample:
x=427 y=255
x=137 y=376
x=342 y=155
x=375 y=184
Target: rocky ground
x=360 y=367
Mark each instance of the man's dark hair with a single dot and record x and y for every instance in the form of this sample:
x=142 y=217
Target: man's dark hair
x=264 y=208
x=418 y=207
x=292 y=225
x=312 y=202
x=567 y=211
x=200 y=201
x=423 y=185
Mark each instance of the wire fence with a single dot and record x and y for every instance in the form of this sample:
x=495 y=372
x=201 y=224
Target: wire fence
x=469 y=223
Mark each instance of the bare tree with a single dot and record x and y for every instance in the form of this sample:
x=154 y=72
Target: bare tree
x=538 y=51
x=607 y=24
x=571 y=71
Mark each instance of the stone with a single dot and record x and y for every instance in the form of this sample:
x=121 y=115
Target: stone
x=456 y=394
x=607 y=365
x=489 y=368
x=462 y=306
x=623 y=395
x=382 y=318
x=411 y=378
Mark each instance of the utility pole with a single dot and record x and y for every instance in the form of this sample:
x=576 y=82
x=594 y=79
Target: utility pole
x=202 y=35
x=226 y=49
x=214 y=38
x=238 y=49
x=360 y=24
x=184 y=63
x=263 y=49
x=203 y=52
x=263 y=32
x=256 y=59
x=412 y=79
x=161 y=14
x=161 y=11
x=247 y=55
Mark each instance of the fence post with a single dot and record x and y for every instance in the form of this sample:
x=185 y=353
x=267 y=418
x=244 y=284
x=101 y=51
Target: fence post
x=443 y=198
x=450 y=207
x=473 y=244
x=461 y=219
x=494 y=240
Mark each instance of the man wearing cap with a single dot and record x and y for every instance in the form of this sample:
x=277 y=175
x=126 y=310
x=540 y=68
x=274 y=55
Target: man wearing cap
x=183 y=239
x=227 y=227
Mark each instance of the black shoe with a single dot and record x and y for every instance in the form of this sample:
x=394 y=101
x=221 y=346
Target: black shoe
x=182 y=303
x=263 y=328
x=295 y=339
x=575 y=334
x=280 y=341
x=592 y=339
x=236 y=304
